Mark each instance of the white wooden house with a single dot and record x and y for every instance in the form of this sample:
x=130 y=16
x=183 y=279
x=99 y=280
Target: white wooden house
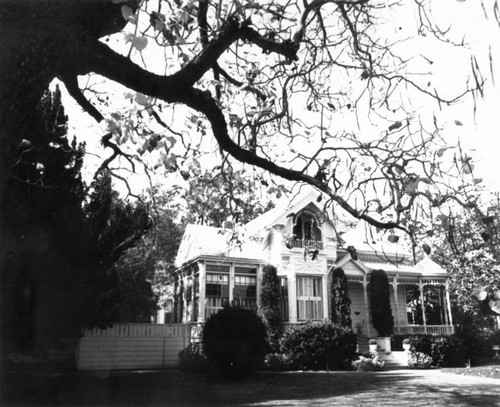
x=224 y=265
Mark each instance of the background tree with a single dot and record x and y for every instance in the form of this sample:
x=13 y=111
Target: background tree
x=150 y=261
x=380 y=303
x=62 y=250
x=41 y=213
x=270 y=305
x=339 y=299
x=466 y=243
x=223 y=194
x=113 y=227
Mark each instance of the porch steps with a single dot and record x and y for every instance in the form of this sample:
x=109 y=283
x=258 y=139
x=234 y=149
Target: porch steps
x=363 y=344
x=394 y=360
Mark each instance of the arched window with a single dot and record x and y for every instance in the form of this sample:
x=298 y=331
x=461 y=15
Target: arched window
x=306 y=228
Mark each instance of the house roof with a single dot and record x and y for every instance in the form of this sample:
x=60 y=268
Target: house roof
x=201 y=240
x=425 y=267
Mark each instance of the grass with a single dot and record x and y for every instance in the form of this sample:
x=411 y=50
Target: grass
x=174 y=388
x=490 y=370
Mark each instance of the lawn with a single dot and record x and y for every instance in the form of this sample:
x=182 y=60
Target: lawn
x=490 y=370
x=174 y=388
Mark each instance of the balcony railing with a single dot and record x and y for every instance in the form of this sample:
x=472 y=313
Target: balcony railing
x=301 y=244
x=428 y=329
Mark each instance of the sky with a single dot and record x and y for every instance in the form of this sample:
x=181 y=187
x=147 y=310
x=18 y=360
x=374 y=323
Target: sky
x=477 y=132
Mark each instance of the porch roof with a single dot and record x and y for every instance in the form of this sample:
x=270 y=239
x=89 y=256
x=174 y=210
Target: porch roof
x=367 y=263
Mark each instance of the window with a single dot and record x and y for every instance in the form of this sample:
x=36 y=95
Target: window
x=245 y=291
x=307 y=231
x=309 y=298
x=284 y=298
x=217 y=292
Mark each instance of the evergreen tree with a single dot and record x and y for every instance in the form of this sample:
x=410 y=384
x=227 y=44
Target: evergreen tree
x=380 y=303
x=270 y=305
x=339 y=299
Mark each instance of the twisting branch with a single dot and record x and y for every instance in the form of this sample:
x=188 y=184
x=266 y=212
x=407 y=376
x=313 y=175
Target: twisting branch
x=71 y=83
x=204 y=103
x=117 y=152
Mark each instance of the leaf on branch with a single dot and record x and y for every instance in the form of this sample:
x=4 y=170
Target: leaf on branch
x=142 y=99
x=411 y=187
x=468 y=168
x=140 y=43
x=393 y=238
x=477 y=181
x=395 y=126
x=441 y=151
x=458 y=123
x=24 y=144
x=172 y=140
x=128 y=14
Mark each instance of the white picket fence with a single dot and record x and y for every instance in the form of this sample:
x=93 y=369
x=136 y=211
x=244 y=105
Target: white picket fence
x=133 y=346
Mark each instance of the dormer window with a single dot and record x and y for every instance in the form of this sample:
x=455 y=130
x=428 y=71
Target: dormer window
x=306 y=231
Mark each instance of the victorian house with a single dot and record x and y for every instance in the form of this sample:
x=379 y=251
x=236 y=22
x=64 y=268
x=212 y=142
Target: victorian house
x=224 y=265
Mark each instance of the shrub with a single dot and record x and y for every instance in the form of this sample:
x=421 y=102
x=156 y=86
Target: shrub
x=270 y=305
x=315 y=346
x=421 y=343
x=339 y=299
x=276 y=362
x=419 y=360
x=234 y=341
x=448 y=351
x=382 y=318
x=192 y=359
x=368 y=362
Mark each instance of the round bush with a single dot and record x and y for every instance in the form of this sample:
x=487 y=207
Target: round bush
x=448 y=351
x=419 y=360
x=234 y=341
x=316 y=346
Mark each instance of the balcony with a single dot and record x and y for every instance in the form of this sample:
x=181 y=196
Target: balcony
x=302 y=244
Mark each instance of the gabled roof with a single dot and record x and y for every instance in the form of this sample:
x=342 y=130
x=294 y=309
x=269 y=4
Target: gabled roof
x=425 y=267
x=278 y=215
x=200 y=240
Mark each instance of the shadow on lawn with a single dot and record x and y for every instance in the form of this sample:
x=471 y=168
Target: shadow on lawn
x=173 y=388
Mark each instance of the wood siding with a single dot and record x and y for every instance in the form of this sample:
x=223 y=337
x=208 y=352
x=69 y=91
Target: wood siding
x=133 y=346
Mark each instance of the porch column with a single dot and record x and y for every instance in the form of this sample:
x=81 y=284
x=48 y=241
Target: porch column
x=203 y=291
x=231 y=282
x=326 y=293
x=396 y=303
x=421 y=287
x=367 y=306
x=259 y=283
x=442 y=304
x=448 y=303
x=292 y=298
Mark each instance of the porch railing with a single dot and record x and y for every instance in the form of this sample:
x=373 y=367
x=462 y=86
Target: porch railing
x=428 y=329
